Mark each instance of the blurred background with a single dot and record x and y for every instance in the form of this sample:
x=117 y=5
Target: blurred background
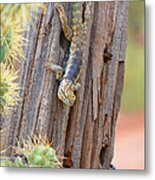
x=129 y=140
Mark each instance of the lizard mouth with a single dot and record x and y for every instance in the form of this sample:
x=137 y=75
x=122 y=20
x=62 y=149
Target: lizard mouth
x=68 y=100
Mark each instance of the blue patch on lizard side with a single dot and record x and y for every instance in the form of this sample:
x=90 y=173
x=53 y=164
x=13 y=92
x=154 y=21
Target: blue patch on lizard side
x=74 y=70
x=66 y=57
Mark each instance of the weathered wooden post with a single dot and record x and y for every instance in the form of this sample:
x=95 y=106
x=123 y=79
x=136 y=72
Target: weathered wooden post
x=84 y=133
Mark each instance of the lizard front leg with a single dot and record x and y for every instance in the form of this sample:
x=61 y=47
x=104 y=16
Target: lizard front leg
x=54 y=68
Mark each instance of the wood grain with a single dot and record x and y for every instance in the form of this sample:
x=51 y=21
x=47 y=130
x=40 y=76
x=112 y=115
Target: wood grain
x=83 y=134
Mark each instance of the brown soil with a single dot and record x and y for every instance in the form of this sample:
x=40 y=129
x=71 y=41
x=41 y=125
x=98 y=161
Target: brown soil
x=129 y=142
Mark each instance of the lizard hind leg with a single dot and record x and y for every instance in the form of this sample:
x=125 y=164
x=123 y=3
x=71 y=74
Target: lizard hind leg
x=63 y=19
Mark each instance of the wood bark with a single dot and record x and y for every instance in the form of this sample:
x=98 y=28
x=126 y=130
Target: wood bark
x=83 y=134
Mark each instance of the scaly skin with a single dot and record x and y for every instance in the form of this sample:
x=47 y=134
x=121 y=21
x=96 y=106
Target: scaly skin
x=76 y=34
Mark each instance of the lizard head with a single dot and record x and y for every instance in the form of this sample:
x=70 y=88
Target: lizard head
x=66 y=92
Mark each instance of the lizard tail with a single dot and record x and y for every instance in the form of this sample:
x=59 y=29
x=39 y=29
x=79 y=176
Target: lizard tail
x=63 y=19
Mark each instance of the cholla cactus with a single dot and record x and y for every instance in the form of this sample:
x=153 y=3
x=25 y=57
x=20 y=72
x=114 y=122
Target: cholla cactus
x=9 y=88
x=17 y=163
x=36 y=152
x=42 y=156
x=13 y=23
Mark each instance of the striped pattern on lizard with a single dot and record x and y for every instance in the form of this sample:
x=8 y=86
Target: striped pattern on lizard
x=76 y=34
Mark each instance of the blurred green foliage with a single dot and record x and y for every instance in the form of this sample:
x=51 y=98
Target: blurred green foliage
x=133 y=92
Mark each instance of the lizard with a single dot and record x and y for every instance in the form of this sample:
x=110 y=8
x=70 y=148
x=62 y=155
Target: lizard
x=75 y=34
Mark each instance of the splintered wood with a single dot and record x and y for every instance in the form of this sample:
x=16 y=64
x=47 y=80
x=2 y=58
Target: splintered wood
x=83 y=134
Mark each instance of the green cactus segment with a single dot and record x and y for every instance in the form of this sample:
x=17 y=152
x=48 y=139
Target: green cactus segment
x=14 y=18
x=40 y=156
x=5 y=45
x=17 y=163
x=9 y=88
x=3 y=90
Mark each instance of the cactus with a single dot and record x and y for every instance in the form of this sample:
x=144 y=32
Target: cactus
x=17 y=163
x=9 y=88
x=37 y=152
x=42 y=156
x=14 y=18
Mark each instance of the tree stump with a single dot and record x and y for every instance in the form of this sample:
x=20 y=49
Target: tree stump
x=83 y=134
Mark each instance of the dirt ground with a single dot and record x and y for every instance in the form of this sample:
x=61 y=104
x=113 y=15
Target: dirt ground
x=129 y=141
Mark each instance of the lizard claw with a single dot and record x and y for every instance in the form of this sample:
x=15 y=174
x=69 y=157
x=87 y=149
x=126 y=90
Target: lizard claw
x=77 y=86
